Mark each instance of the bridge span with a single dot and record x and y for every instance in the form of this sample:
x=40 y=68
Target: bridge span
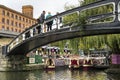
x=23 y=44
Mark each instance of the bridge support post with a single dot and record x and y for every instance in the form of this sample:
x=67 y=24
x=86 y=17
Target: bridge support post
x=4 y=50
x=116 y=10
x=23 y=36
x=119 y=10
x=31 y=32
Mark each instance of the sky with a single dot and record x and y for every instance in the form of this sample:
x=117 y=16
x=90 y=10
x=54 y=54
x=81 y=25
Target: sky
x=52 y=6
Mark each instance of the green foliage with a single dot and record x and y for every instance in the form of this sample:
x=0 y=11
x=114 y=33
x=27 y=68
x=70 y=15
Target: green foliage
x=82 y=19
x=112 y=42
x=88 y=1
x=99 y=42
x=95 y=42
x=71 y=18
x=74 y=45
x=60 y=44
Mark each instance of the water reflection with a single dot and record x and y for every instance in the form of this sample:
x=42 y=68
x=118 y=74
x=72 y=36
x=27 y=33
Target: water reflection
x=114 y=76
x=65 y=74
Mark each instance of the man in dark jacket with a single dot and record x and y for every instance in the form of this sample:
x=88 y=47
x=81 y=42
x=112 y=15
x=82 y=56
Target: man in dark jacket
x=41 y=21
x=42 y=17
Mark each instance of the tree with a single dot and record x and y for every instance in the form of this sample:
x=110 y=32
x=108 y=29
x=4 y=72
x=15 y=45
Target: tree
x=112 y=41
x=97 y=42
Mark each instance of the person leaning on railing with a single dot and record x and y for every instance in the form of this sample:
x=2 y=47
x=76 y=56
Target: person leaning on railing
x=49 y=24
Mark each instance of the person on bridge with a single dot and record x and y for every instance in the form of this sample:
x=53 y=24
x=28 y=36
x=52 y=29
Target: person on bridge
x=41 y=21
x=41 y=18
x=49 y=23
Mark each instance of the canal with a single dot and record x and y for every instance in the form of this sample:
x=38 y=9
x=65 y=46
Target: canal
x=59 y=74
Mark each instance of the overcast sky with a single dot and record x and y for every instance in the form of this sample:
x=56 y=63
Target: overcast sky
x=39 y=5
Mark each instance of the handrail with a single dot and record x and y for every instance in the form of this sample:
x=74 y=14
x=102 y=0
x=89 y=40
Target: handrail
x=102 y=16
x=23 y=32
x=81 y=8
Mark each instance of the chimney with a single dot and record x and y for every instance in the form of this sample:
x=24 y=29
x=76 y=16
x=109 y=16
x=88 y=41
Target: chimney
x=27 y=10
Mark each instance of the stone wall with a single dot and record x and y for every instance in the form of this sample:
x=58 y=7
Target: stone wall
x=16 y=63
x=4 y=41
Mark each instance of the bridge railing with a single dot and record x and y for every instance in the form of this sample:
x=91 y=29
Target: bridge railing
x=34 y=31
x=119 y=11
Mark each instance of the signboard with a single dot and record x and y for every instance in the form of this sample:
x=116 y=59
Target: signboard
x=38 y=59
x=31 y=60
x=59 y=62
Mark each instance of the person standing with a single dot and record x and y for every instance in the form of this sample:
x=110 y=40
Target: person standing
x=41 y=18
x=49 y=23
x=41 y=21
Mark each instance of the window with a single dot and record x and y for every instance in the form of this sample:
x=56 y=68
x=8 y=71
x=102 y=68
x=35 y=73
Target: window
x=12 y=23
x=23 y=25
x=3 y=20
x=12 y=15
x=3 y=27
x=15 y=30
x=19 y=24
x=8 y=21
x=19 y=18
x=12 y=29
x=26 y=20
x=30 y=21
x=16 y=17
x=3 y=12
x=23 y=19
x=7 y=28
x=8 y=14
x=16 y=24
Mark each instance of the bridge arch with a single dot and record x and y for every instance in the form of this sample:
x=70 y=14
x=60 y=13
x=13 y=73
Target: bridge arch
x=22 y=44
x=46 y=38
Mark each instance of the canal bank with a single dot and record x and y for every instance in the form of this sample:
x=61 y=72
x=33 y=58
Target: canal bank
x=16 y=65
x=27 y=67
x=19 y=63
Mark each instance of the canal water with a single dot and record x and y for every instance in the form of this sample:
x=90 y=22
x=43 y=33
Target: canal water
x=58 y=74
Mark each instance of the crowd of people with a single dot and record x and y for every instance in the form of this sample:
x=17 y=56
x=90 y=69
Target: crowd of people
x=44 y=26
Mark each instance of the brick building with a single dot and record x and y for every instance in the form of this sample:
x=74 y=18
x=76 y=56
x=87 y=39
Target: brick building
x=14 y=22
x=11 y=20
